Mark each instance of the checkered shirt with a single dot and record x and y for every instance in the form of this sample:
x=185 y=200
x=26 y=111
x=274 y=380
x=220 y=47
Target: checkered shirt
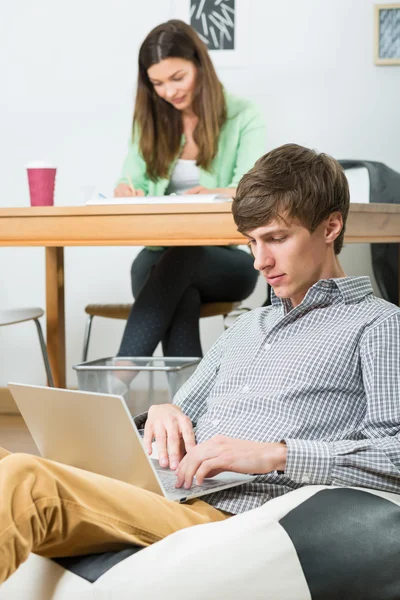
x=323 y=376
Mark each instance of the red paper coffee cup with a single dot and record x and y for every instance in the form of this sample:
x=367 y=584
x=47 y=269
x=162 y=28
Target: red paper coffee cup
x=41 y=179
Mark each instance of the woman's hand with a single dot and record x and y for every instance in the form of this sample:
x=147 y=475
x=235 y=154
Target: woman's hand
x=199 y=189
x=123 y=190
x=173 y=432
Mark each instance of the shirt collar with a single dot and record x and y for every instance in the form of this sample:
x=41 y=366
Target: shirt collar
x=349 y=289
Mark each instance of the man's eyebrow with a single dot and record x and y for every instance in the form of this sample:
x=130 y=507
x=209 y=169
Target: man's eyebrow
x=268 y=234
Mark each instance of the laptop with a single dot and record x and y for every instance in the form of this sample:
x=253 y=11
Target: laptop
x=96 y=432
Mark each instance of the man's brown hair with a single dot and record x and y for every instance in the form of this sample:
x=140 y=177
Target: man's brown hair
x=292 y=182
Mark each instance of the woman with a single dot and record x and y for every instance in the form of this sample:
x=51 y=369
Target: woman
x=189 y=136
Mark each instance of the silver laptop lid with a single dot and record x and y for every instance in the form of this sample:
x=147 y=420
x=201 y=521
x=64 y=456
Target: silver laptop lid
x=90 y=431
x=96 y=432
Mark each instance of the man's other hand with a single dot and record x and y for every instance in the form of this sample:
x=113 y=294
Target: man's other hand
x=173 y=432
x=222 y=453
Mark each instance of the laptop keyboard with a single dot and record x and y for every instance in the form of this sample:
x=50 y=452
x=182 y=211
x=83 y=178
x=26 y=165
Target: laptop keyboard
x=168 y=479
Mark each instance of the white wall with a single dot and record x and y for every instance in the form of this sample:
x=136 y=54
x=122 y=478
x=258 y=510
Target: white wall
x=67 y=74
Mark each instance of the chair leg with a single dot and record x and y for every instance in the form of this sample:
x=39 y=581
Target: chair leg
x=44 y=353
x=150 y=396
x=86 y=338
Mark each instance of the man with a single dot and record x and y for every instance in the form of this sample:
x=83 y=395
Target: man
x=305 y=391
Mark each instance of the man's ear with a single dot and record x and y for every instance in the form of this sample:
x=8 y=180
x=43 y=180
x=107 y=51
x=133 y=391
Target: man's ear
x=333 y=227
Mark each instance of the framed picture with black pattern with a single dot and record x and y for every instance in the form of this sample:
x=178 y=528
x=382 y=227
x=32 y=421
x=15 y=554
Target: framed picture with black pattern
x=387 y=34
x=214 y=21
x=223 y=25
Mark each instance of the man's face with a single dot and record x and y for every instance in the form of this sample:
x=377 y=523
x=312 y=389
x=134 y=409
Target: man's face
x=291 y=258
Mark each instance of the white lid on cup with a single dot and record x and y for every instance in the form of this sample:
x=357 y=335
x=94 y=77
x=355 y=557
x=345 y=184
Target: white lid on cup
x=40 y=164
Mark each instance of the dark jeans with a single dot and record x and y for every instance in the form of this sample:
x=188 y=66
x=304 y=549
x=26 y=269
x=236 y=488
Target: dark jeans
x=169 y=287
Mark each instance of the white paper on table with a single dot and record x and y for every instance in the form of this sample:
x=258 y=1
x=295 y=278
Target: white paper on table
x=171 y=199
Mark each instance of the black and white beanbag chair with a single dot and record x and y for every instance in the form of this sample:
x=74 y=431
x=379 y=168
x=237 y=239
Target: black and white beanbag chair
x=318 y=543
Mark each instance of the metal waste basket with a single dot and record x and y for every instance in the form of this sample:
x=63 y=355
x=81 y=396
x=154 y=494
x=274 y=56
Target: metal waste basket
x=124 y=376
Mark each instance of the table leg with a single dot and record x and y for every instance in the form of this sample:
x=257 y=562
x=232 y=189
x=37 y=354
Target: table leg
x=55 y=313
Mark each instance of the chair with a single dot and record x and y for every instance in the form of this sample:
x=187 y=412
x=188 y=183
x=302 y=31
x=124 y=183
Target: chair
x=314 y=542
x=19 y=315
x=121 y=311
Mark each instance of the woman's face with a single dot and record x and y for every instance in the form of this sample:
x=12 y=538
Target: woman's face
x=174 y=80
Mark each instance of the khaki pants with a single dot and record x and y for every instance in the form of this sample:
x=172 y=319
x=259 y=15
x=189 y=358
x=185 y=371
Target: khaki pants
x=56 y=510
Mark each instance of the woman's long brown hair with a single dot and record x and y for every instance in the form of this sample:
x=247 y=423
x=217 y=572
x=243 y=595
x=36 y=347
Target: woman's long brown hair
x=157 y=123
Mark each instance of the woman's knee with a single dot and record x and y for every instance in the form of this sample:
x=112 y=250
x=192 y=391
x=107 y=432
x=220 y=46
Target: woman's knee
x=181 y=259
x=138 y=279
x=141 y=268
x=185 y=252
x=176 y=264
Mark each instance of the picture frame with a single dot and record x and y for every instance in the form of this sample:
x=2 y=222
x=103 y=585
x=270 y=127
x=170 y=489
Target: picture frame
x=387 y=34
x=224 y=58
x=214 y=22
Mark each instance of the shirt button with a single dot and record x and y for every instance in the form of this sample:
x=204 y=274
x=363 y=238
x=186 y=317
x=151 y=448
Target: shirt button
x=245 y=389
x=267 y=346
x=305 y=479
x=215 y=422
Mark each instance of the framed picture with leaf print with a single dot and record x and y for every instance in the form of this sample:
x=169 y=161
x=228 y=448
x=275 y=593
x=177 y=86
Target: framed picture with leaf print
x=387 y=34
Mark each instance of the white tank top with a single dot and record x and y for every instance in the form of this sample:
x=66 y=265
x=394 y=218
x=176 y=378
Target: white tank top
x=184 y=176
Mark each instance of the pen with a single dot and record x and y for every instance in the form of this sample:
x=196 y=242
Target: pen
x=131 y=184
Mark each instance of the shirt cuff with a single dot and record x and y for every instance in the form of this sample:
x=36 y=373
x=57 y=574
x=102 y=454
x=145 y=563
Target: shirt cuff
x=309 y=461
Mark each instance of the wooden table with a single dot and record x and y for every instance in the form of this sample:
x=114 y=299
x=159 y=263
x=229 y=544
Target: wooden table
x=141 y=225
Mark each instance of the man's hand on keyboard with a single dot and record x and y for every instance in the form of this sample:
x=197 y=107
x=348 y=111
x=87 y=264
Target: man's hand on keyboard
x=222 y=453
x=173 y=432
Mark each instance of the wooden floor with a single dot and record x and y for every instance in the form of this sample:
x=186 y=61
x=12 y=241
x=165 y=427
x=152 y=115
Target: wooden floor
x=14 y=435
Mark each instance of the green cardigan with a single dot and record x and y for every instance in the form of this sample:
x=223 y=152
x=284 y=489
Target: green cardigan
x=241 y=143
